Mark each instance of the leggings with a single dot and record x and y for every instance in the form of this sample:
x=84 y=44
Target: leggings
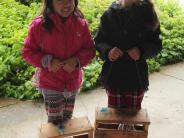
x=59 y=107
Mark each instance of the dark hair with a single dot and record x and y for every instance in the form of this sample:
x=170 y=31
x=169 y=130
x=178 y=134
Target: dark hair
x=147 y=9
x=47 y=8
x=152 y=19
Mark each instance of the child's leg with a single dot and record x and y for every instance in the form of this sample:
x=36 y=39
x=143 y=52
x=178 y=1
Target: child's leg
x=69 y=106
x=54 y=104
x=127 y=99
x=133 y=100
x=115 y=99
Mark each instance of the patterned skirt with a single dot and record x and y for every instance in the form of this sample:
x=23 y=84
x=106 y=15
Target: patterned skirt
x=125 y=99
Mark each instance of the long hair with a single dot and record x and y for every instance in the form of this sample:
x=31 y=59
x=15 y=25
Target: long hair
x=153 y=21
x=48 y=8
x=151 y=18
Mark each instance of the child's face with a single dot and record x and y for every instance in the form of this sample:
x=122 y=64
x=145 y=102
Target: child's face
x=63 y=7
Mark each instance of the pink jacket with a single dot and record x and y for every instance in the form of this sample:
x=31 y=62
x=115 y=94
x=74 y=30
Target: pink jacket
x=68 y=39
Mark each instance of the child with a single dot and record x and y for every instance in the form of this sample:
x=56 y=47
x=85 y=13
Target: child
x=59 y=44
x=127 y=36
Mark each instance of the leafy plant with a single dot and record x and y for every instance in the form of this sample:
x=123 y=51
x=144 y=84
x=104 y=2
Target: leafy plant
x=28 y=2
x=171 y=16
x=15 y=73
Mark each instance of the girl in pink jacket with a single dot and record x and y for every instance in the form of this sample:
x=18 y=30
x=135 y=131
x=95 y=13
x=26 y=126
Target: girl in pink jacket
x=59 y=44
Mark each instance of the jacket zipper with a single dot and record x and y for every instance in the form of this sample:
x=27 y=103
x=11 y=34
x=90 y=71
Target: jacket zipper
x=64 y=49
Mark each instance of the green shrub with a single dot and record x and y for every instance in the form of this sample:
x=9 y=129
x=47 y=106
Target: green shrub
x=93 y=10
x=15 y=73
x=28 y=2
x=91 y=73
x=172 y=23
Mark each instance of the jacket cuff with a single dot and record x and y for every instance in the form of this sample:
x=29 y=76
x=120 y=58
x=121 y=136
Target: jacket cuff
x=103 y=49
x=46 y=60
x=78 y=62
x=142 y=52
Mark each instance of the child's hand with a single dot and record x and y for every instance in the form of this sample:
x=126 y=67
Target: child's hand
x=70 y=64
x=114 y=54
x=134 y=53
x=55 y=65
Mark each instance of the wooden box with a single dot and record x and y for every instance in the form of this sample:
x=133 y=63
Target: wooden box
x=107 y=121
x=77 y=127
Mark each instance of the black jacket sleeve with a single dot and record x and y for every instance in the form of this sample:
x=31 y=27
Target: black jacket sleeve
x=102 y=37
x=152 y=45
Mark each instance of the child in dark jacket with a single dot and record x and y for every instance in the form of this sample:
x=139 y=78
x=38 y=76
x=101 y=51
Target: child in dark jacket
x=129 y=34
x=59 y=44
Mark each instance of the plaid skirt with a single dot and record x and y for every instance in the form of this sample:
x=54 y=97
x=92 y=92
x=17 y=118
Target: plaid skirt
x=125 y=99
